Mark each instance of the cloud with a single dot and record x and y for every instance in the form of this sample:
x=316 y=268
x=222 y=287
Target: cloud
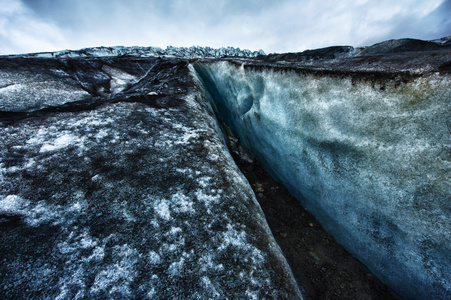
x=275 y=26
x=21 y=31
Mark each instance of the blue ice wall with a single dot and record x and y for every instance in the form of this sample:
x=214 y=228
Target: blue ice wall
x=371 y=160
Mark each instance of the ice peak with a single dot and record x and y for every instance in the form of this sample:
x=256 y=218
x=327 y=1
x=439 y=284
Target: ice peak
x=135 y=51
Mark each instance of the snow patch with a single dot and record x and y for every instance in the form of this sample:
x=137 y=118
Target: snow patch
x=117 y=278
x=61 y=142
x=120 y=80
x=154 y=258
x=163 y=210
x=13 y=204
x=182 y=203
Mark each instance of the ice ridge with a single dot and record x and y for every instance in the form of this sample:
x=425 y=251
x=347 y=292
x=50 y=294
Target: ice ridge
x=135 y=51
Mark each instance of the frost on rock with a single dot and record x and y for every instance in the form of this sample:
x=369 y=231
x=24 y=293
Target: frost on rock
x=135 y=198
x=369 y=156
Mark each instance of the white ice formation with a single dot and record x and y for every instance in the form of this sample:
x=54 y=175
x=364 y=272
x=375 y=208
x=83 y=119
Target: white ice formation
x=170 y=51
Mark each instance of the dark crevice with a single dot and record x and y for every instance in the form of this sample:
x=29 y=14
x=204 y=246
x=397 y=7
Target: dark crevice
x=321 y=266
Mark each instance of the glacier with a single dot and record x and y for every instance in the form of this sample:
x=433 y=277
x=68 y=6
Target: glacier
x=120 y=186
x=365 y=150
x=117 y=181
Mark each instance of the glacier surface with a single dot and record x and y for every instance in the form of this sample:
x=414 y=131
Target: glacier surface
x=116 y=182
x=125 y=193
x=367 y=152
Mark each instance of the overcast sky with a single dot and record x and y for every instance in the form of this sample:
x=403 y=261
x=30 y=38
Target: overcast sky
x=272 y=25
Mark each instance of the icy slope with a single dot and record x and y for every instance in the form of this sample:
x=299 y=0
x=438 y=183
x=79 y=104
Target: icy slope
x=125 y=190
x=366 y=149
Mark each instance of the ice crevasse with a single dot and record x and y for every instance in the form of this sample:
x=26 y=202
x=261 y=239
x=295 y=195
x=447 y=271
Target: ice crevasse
x=369 y=157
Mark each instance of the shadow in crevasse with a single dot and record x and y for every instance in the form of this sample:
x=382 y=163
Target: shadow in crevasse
x=321 y=266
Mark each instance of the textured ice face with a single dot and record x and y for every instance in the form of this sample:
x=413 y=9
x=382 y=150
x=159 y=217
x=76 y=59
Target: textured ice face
x=369 y=159
x=131 y=200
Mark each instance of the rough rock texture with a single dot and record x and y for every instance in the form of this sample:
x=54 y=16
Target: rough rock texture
x=364 y=143
x=115 y=183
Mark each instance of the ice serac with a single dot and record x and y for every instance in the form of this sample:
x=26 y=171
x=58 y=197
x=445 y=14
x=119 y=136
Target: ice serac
x=364 y=143
x=170 y=51
x=115 y=184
